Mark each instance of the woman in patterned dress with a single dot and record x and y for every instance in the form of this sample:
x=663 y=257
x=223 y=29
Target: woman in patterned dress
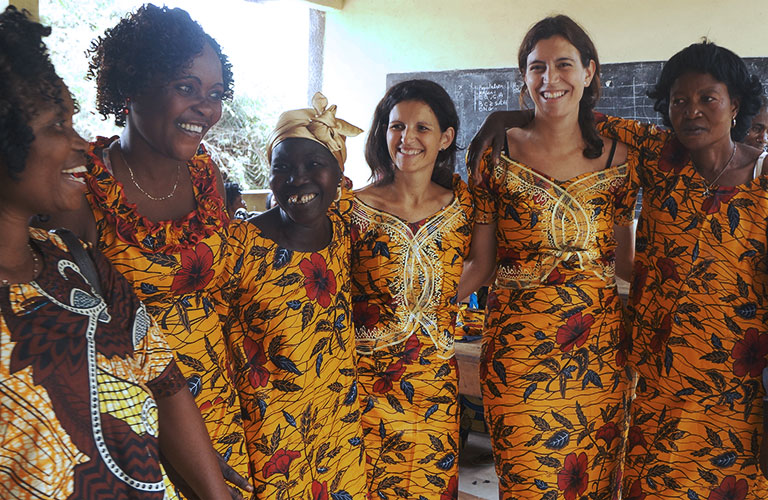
x=155 y=200
x=286 y=310
x=90 y=392
x=554 y=390
x=410 y=234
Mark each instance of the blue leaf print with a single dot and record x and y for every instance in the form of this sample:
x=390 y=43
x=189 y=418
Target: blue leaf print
x=148 y=288
x=692 y=495
x=355 y=441
x=558 y=440
x=407 y=389
x=432 y=409
x=382 y=430
x=668 y=360
x=597 y=211
x=339 y=323
x=716 y=342
x=351 y=394
x=227 y=453
x=591 y=377
x=528 y=391
x=498 y=367
x=238 y=264
x=685 y=392
x=446 y=462
x=724 y=460
x=286 y=364
x=540 y=335
x=368 y=405
x=380 y=248
x=319 y=363
x=282 y=258
x=195 y=385
x=512 y=213
x=423 y=361
x=746 y=311
x=695 y=252
x=262 y=407
x=694 y=222
x=322 y=470
x=671 y=205
x=568 y=372
x=341 y=495
x=541 y=484
x=185 y=302
x=748 y=253
x=294 y=304
x=733 y=218
x=289 y=418
x=207 y=306
x=534 y=219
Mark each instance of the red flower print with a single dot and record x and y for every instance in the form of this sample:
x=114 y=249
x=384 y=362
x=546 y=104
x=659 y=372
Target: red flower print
x=674 y=156
x=572 y=479
x=412 y=349
x=607 y=433
x=575 y=331
x=721 y=195
x=622 y=347
x=365 y=315
x=319 y=490
x=254 y=351
x=749 y=354
x=195 y=272
x=668 y=269
x=554 y=278
x=661 y=334
x=636 y=438
x=319 y=281
x=508 y=257
x=730 y=489
x=635 y=491
x=493 y=302
x=639 y=278
x=452 y=491
x=486 y=357
x=279 y=463
x=392 y=374
x=207 y=405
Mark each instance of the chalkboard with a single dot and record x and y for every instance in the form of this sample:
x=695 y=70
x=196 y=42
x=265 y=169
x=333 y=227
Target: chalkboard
x=477 y=92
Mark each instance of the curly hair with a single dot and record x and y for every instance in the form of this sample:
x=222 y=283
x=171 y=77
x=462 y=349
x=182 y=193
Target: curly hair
x=376 y=149
x=152 y=46
x=567 y=28
x=28 y=81
x=724 y=66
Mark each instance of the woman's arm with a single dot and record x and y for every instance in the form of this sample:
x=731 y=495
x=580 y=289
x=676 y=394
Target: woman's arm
x=493 y=134
x=186 y=446
x=625 y=250
x=481 y=262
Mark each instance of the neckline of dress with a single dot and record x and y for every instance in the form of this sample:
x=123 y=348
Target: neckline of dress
x=559 y=182
x=419 y=223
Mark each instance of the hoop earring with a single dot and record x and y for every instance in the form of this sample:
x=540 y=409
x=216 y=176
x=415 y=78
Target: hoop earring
x=339 y=192
x=733 y=122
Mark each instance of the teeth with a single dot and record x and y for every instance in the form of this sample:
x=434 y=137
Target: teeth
x=296 y=199
x=78 y=179
x=197 y=129
x=75 y=170
x=553 y=95
x=410 y=152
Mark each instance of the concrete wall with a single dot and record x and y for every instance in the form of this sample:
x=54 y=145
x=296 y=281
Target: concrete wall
x=367 y=39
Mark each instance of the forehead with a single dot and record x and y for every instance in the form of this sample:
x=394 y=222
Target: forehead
x=46 y=108
x=697 y=82
x=298 y=148
x=553 y=47
x=205 y=66
x=761 y=118
x=412 y=111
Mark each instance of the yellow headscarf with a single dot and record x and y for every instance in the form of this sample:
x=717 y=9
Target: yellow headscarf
x=319 y=124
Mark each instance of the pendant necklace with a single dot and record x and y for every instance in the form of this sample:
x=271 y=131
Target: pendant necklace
x=154 y=198
x=709 y=185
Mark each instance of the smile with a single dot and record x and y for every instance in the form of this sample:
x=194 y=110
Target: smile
x=296 y=199
x=409 y=152
x=75 y=170
x=553 y=95
x=191 y=127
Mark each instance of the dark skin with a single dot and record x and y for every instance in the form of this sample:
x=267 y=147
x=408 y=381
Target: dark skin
x=305 y=179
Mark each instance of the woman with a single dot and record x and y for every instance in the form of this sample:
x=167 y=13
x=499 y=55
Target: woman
x=287 y=319
x=410 y=234
x=554 y=390
x=91 y=394
x=155 y=200
x=757 y=134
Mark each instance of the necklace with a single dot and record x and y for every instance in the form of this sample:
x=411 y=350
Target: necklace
x=154 y=198
x=35 y=266
x=709 y=185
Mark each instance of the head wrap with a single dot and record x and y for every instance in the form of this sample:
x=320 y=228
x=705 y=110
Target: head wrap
x=318 y=124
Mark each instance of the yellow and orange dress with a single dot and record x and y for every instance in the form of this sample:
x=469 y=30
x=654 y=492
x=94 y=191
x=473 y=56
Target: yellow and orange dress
x=554 y=390
x=699 y=341
x=173 y=266
x=286 y=317
x=79 y=377
x=404 y=282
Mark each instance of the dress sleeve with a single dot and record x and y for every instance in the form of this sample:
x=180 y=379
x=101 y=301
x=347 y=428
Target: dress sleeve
x=631 y=132
x=462 y=194
x=484 y=193
x=625 y=196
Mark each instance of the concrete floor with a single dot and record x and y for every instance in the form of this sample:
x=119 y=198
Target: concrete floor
x=477 y=477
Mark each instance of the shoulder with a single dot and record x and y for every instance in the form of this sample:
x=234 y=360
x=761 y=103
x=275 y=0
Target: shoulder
x=620 y=153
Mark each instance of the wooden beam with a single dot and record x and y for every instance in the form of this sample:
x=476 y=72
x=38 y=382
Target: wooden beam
x=33 y=6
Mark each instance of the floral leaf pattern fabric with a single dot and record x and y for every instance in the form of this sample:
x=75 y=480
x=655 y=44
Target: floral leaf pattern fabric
x=404 y=283
x=554 y=389
x=173 y=266
x=286 y=317
x=79 y=376
x=698 y=335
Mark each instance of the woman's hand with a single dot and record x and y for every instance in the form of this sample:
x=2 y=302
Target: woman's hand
x=493 y=134
x=480 y=265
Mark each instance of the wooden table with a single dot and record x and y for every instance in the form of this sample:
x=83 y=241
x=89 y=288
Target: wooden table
x=468 y=359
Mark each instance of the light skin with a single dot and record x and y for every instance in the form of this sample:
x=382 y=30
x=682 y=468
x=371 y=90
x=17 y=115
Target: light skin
x=46 y=184
x=551 y=143
x=757 y=135
x=305 y=177
x=414 y=139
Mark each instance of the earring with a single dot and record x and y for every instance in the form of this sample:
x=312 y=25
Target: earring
x=733 y=122
x=125 y=108
x=339 y=192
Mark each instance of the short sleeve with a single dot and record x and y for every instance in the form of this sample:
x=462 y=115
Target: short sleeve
x=633 y=133
x=484 y=193
x=158 y=367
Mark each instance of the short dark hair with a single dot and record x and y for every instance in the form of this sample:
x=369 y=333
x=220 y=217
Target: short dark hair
x=149 y=47
x=434 y=96
x=27 y=80
x=724 y=66
x=567 y=28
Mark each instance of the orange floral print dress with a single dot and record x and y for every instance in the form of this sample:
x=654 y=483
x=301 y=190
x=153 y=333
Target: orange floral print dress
x=554 y=391
x=404 y=283
x=173 y=266
x=699 y=341
x=79 y=379
x=287 y=322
